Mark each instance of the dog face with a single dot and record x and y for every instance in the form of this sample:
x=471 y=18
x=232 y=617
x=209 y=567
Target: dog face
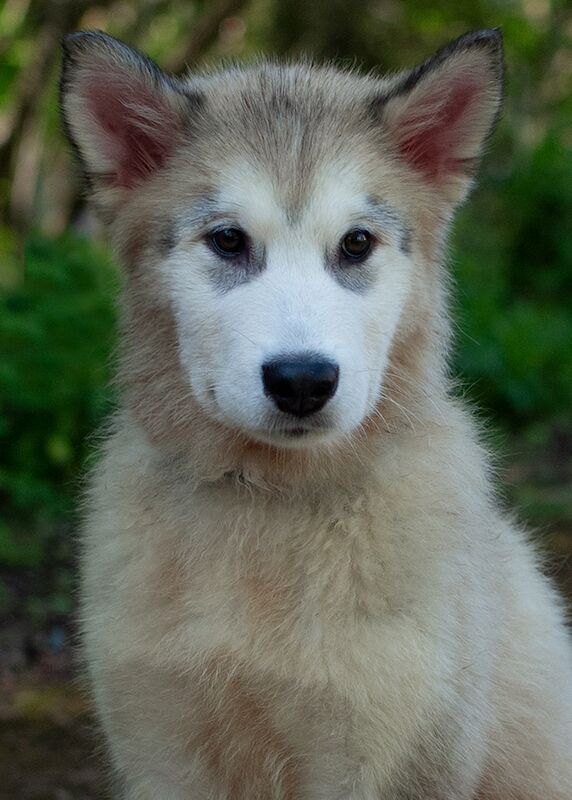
x=281 y=219
x=285 y=320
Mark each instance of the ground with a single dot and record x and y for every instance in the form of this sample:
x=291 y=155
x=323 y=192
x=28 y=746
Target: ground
x=48 y=746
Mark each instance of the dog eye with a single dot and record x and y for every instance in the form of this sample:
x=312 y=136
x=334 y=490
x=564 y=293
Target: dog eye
x=356 y=244
x=229 y=242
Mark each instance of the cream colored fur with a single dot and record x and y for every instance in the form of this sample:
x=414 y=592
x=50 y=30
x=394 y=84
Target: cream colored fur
x=351 y=619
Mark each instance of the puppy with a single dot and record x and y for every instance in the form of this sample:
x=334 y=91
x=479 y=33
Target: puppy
x=297 y=581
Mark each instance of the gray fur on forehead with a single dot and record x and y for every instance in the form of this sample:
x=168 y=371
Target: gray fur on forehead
x=280 y=112
x=300 y=89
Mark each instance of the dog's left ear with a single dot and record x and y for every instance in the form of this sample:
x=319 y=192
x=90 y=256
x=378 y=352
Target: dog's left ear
x=439 y=114
x=123 y=115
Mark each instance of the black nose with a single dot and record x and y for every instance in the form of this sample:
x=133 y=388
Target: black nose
x=300 y=384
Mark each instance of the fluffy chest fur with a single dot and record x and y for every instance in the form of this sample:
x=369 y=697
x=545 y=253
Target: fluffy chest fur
x=335 y=615
x=297 y=565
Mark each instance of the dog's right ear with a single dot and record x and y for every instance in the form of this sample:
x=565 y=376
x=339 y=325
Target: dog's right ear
x=122 y=114
x=439 y=115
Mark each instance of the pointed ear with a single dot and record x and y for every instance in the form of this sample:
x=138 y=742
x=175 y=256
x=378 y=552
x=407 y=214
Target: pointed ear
x=439 y=115
x=123 y=116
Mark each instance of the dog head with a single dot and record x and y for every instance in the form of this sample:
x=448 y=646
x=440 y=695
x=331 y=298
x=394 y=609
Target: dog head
x=281 y=230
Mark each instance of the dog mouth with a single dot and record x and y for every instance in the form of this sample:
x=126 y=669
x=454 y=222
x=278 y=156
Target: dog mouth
x=279 y=429
x=294 y=428
x=295 y=434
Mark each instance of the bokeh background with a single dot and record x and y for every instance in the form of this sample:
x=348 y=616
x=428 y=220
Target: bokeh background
x=511 y=257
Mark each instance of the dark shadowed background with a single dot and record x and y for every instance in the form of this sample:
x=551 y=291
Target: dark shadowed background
x=511 y=257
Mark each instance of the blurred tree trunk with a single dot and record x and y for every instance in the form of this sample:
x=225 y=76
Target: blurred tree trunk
x=22 y=143
x=204 y=33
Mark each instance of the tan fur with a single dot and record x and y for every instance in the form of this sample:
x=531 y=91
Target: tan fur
x=356 y=620
x=234 y=713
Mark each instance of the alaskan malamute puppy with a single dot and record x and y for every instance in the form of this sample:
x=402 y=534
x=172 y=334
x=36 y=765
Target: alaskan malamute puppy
x=297 y=581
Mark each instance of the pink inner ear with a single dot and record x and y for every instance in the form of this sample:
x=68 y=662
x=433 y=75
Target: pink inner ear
x=432 y=135
x=136 y=129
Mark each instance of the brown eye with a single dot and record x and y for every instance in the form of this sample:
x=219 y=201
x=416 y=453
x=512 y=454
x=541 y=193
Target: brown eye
x=229 y=241
x=356 y=244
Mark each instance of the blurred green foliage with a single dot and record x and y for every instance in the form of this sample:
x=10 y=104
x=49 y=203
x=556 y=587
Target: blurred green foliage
x=56 y=333
x=513 y=267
